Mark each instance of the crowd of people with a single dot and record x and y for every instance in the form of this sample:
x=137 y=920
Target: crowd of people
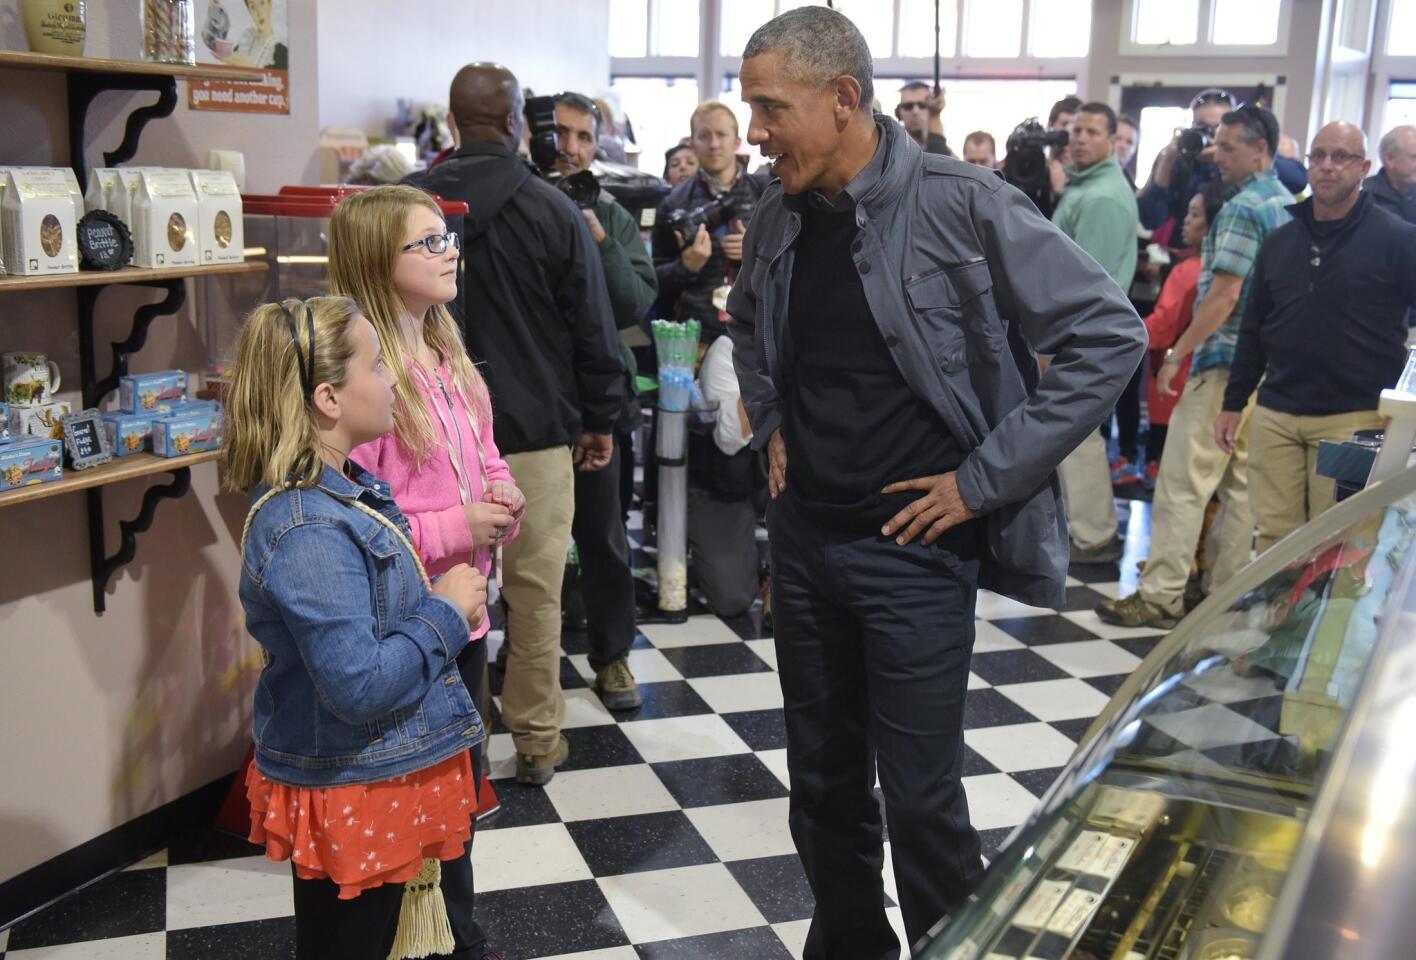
x=903 y=353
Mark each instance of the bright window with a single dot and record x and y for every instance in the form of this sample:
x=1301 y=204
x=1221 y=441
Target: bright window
x=659 y=108
x=1158 y=126
x=629 y=28
x=1401 y=38
x=1162 y=22
x=875 y=21
x=675 y=28
x=1061 y=28
x=993 y=29
x=993 y=106
x=1246 y=22
x=1401 y=108
x=917 y=28
x=740 y=19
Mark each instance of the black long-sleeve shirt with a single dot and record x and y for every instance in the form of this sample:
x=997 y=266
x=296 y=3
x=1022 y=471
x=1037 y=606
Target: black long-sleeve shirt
x=1325 y=326
x=532 y=301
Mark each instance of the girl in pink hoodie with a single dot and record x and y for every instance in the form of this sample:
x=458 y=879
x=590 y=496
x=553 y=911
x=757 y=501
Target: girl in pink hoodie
x=391 y=251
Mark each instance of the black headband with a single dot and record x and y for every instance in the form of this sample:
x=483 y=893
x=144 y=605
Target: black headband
x=306 y=365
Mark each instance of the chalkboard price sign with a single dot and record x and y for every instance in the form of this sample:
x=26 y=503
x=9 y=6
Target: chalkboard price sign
x=104 y=242
x=85 y=440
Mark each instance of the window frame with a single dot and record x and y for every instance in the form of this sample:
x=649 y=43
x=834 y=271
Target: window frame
x=1204 y=45
x=1386 y=69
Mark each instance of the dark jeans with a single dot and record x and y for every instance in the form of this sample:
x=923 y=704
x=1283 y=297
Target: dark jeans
x=606 y=580
x=1128 y=417
x=873 y=644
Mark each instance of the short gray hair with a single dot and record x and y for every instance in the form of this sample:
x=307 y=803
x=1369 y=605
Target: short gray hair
x=817 y=46
x=1390 y=144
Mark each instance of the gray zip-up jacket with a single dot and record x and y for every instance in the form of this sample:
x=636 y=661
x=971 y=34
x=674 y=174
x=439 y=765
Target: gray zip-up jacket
x=968 y=283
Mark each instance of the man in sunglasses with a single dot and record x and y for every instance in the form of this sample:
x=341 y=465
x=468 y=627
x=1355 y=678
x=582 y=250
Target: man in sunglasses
x=919 y=113
x=1325 y=331
x=1168 y=193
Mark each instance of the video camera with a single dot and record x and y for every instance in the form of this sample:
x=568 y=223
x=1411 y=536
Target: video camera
x=582 y=187
x=1190 y=143
x=717 y=212
x=1025 y=165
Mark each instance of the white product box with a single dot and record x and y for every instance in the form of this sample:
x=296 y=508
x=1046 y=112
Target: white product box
x=164 y=224
x=221 y=226
x=38 y=219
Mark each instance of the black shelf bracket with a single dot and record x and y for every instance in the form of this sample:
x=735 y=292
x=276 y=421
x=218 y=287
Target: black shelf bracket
x=103 y=566
x=94 y=388
x=84 y=87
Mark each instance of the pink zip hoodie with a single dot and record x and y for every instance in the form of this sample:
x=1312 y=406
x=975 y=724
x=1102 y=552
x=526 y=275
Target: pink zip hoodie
x=432 y=496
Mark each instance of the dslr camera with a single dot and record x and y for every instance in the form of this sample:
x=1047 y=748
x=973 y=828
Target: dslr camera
x=717 y=212
x=1025 y=165
x=582 y=187
x=1189 y=143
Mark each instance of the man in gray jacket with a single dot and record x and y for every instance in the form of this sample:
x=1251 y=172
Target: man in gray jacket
x=886 y=325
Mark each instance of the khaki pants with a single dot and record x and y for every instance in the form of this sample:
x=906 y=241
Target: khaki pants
x=1192 y=468
x=532 y=705
x=1086 y=487
x=1286 y=491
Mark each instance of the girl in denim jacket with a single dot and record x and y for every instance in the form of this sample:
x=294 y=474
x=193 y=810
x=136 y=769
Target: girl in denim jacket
x=361 y=722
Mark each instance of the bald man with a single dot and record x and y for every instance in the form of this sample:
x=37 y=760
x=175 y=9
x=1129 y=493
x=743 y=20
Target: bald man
x=1325 y=331
x=536 y=316
x=1394 y=185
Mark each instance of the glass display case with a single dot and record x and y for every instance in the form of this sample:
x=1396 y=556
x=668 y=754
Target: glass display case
x=1202 y=818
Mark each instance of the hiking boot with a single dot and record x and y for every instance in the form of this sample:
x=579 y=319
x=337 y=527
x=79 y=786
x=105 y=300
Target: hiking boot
x=538 y=770
x=616 y=687
x=1136 y=611
x=1106 y=553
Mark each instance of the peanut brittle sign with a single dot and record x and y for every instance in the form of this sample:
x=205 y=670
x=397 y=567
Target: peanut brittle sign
x=243 y=33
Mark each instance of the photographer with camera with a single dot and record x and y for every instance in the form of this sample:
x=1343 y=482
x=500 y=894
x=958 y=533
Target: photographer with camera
x=1028 y=167
x=536 y=315
x=699 y=226
x=919 y=113
x=1188 y=163
x=606 y=578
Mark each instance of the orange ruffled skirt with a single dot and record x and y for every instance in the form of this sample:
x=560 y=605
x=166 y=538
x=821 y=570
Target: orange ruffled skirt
x=363 y=836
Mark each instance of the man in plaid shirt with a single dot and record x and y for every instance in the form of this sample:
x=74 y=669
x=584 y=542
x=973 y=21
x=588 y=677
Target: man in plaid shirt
x=1193 y=466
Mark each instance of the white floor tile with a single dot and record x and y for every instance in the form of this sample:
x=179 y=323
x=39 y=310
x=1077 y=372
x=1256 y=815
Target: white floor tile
x=793 y=936
x=991 y=639
x=150 y=862
x=584 y=709
x=1020 y=746
x=683 y=738
x=732 y=694
x=227 y=891
x=501 y=755
x=896 y=917
x=1088 y=620
x=527 y=856
x=147 y=946
x=648 y=666
x=892 y=889
x=976 y=682
x=1212 y=725
x=744 y=831
x=684 y=902
x=997 y=800
x=1111 y=591
x=4 y=940
x=1056 y=699
x=1225 y=686
x=607 y=792
x=613 y=953
x=766 y=649
x=695 y=632
x=1089 y=658
x=776 y=761
x=991 y=606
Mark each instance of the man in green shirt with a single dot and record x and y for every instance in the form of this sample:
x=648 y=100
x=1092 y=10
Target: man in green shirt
x=1098 y=212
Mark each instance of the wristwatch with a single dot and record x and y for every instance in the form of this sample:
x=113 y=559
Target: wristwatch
x=1170 y=357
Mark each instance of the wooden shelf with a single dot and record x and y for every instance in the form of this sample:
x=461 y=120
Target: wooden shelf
x=115 y=471
x=100 y=278
x=19 y=59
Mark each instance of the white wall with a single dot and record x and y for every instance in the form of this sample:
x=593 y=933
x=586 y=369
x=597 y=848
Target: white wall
x=367 y=62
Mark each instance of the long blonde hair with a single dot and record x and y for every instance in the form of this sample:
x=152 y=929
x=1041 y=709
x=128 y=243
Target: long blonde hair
x=271 y=435
x=365 y=237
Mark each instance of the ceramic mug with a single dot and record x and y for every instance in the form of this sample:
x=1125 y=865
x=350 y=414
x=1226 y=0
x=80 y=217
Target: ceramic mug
x=39 y=420
x=29 y=378
x=55 y=26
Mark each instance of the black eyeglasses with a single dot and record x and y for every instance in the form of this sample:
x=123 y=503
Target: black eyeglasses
x=1339 y=158
x=914 y=105
x=436 y=244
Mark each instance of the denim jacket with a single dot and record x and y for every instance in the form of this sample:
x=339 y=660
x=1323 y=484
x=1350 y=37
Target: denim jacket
x=967 y=283
x=361 y=681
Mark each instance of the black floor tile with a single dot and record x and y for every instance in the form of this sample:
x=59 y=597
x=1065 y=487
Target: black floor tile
x=989 y=708
x=718 y=780
x=550 y=919
x=570 y=677
x=204 y=844
x=122 y=905
x=974 y=764
x=598 y=746
x=1265 y=711
x=715 y=660
x=1014 y=666
x=1139 y=646
x=1108 y=685
x=991 y=841
x=670 y=698
x=521 y=806
x=268 y=939
x=1278 y=758
x=759 y=943
x=1095 y=572
x=777 y=886
x=1036 y=782
x=634 y=844
x=750 y=625
x=1037 y=631
x=759 y=729
x=1080 y=599
x=574 y=641
x=1073 y=730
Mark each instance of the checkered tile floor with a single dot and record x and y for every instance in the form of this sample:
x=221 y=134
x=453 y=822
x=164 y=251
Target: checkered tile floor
x=665 y=834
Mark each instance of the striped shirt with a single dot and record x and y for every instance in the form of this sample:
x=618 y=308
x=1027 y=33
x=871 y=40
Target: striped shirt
x=1251 y=211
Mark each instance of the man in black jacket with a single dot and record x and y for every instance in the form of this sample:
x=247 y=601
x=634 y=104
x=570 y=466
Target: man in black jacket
x=691 y=269
x=535 y=313
x=1324 y=329
x=1394 y=185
